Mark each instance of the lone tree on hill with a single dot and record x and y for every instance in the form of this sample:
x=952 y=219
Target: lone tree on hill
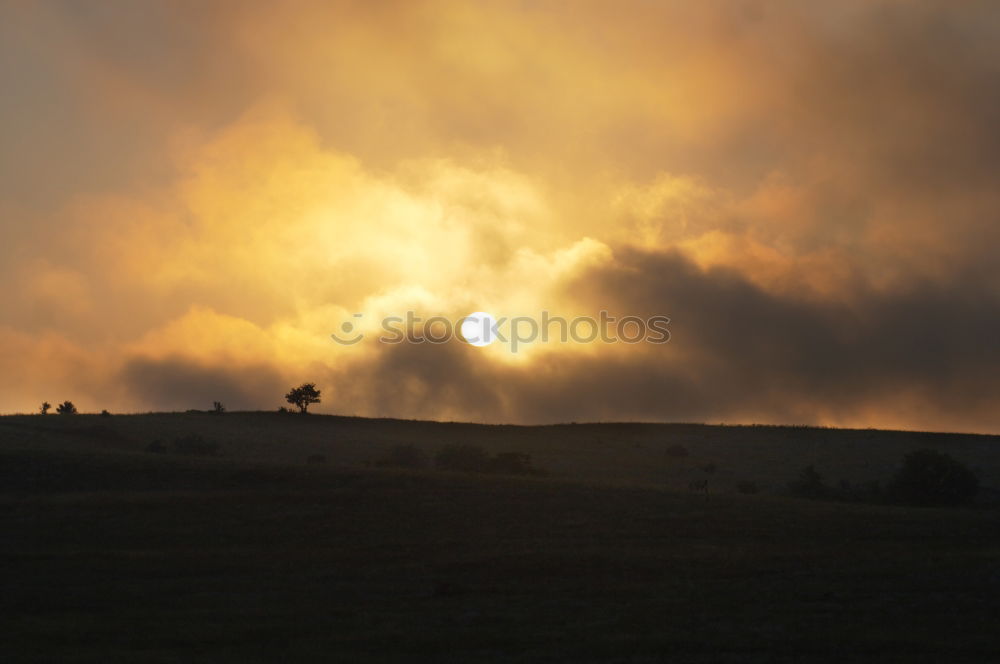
x=66 y=408
x=44 y=410
x=302 y=396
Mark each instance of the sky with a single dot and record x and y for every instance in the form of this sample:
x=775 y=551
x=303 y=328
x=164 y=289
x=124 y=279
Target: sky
x=195 y=195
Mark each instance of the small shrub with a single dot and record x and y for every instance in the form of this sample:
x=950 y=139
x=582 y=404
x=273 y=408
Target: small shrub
x=511 y=463
x=66 y=408
x=156 y=447
x=464 y=458
x=282 y=409
x=677 y=451
x=45 y=407
x=194 y=445
x=928 y=477
x=809 y=485
x=747 y=487
x=218 y=408
x=105 y=413
x=404 y=456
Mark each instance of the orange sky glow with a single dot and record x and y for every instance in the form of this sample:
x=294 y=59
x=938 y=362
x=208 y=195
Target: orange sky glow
x=194 y=196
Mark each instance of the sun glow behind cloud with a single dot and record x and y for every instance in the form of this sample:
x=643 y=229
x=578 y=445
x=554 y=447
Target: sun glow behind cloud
x=218 y=188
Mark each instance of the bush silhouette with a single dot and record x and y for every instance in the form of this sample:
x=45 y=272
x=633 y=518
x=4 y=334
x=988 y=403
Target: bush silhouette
x=217 y=407
x=44 y=409
x=511 y=463
x=809 y=485
x=302 y=396
x=156 y=447
x=66 y=408
x=404 y=456
x=465 y=458
x=105 y=413
x=928 y=477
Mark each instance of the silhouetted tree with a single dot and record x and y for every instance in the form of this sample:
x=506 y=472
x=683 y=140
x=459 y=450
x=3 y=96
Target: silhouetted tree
x=105 y=413
x=302 y=396
x=44 y=410
x=217 y=407
x=929 y=477
x=66 y=408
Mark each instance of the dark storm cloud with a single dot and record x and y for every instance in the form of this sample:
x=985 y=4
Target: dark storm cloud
x=736 y=352
x=924 y=334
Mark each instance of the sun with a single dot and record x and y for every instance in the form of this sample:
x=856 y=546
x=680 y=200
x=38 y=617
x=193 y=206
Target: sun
x=477 y=329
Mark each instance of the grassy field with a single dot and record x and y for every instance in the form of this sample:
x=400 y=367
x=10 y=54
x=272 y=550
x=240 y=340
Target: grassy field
x=112 y=554
x=615 y=452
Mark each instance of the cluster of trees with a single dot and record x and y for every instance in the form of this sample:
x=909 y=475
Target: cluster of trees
x=926 y=477
x=65 y=408
x=301 y=397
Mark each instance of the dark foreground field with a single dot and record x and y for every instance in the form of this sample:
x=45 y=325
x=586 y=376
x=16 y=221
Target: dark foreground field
x=110 y=554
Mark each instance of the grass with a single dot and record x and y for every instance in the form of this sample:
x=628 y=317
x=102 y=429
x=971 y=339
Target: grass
x=110 y=554
x=630 y=453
